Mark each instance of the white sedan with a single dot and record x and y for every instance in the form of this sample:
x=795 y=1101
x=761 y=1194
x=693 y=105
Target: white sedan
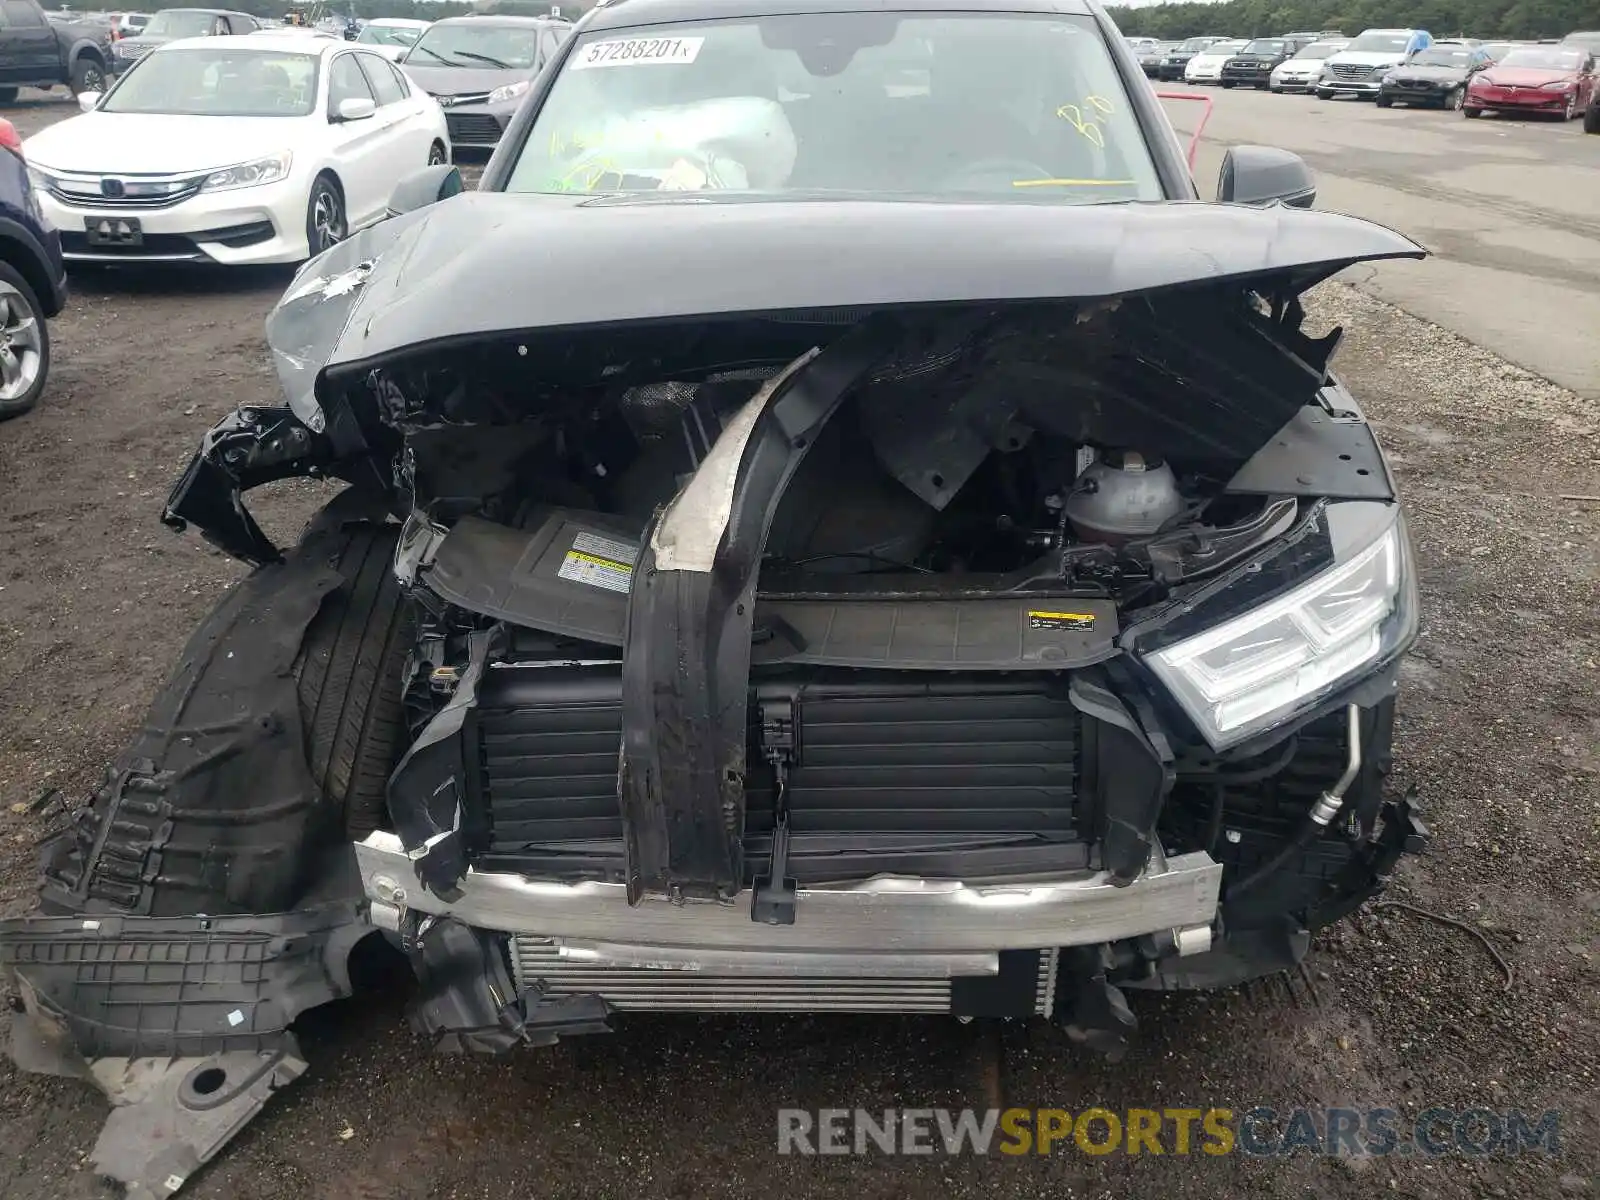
x=1206 y=67
x=252 y=149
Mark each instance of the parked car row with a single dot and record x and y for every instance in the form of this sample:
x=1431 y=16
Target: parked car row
x=1398 y=66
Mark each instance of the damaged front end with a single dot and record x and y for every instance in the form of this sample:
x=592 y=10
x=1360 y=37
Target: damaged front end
x=985 y=640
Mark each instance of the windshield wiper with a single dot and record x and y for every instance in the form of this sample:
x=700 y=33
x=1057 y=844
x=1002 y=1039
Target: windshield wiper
x=493 y=62
x=432 y=54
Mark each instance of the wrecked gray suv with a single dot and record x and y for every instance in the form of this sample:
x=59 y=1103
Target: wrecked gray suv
x=824 y=531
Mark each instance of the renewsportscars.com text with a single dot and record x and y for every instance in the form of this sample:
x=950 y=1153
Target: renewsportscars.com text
x=1260 y=1131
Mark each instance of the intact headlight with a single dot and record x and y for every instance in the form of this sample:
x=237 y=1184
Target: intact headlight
x=250 y=174
x=1260 y=668
x=509 y=92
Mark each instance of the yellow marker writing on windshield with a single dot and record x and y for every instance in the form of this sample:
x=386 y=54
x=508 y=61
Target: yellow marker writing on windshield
x=1088 y=125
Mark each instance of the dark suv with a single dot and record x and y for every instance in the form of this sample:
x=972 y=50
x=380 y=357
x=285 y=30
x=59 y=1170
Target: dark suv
x=33 y=282
x=1252 y=66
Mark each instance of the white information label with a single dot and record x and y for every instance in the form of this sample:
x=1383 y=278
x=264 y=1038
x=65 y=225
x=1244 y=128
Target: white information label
x=599 y=562
x=636 y=52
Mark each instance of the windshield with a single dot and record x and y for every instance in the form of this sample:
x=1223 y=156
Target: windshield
x=1381 y=42
x=1195 y=45
x=198 y=81
x=1553 y=58
x=1584 y=41
x=477 y=43
x=1321 y=50
x=388 y=35
x=1443 y=57
x=182 y=23
x=1267 y=46
x=1224 y=48
x=1017 y=107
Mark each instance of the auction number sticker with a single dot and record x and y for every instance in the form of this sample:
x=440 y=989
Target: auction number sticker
x=599 y=562
x=637 y=52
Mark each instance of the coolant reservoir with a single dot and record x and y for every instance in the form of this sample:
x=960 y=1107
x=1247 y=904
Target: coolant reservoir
x=1123 y=495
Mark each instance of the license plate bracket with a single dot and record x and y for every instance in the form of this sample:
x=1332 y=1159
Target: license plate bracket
x=113 y=231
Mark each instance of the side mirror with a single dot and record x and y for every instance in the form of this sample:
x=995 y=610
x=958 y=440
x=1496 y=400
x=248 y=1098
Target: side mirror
x=1262 y=174
x=357 y=108
x=424 y=187
x=89 y=101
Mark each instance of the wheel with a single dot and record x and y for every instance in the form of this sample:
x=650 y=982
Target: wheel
x=1322 y=95
x=8 y=95
x=88 y=76
x=1591 y=117
x=349 y=676
x=1262 y=87
x=326 y=224
x=1572 y=107
x=1471 y=114
x=24 y=344
x=1385 y=101
x=1455 y=99
x=1227 y=83
x=436 y=155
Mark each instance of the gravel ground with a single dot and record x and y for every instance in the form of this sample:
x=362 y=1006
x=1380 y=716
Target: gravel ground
x=1499 y=730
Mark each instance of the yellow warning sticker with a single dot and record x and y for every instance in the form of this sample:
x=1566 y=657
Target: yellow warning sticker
x=1059 y=620
x=599 y=562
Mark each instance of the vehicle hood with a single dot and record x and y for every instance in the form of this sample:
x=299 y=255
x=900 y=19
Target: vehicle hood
x=1366 y=58
x=485 y=263
x=102 y=143
x=461 y=81
x=1526 y=76
x=1302 y=66
x=1437 y=74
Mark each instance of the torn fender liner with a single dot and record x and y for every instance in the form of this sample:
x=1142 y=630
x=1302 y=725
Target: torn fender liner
x=211 y=808
x=691 y=610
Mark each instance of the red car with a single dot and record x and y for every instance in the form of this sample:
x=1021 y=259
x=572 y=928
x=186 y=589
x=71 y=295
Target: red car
x=1549 y=79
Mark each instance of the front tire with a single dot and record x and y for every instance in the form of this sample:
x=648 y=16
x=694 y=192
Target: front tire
x=8 y=95
x=87 y=76
x=1591 y=118
x=1455 y=100
x=326 y=222
x=437 y=156
x=1471 y=114
x=1385 y=101
x=1571 y=110
x=1322 y=95
x=350 y=674
x=24 y=344
x=1227 y=83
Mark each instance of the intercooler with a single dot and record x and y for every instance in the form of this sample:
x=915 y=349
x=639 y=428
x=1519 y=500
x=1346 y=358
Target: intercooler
x=539 y=960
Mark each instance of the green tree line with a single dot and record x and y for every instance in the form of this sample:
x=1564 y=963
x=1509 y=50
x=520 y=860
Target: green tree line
x=425 y=10
x=1442 y=18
